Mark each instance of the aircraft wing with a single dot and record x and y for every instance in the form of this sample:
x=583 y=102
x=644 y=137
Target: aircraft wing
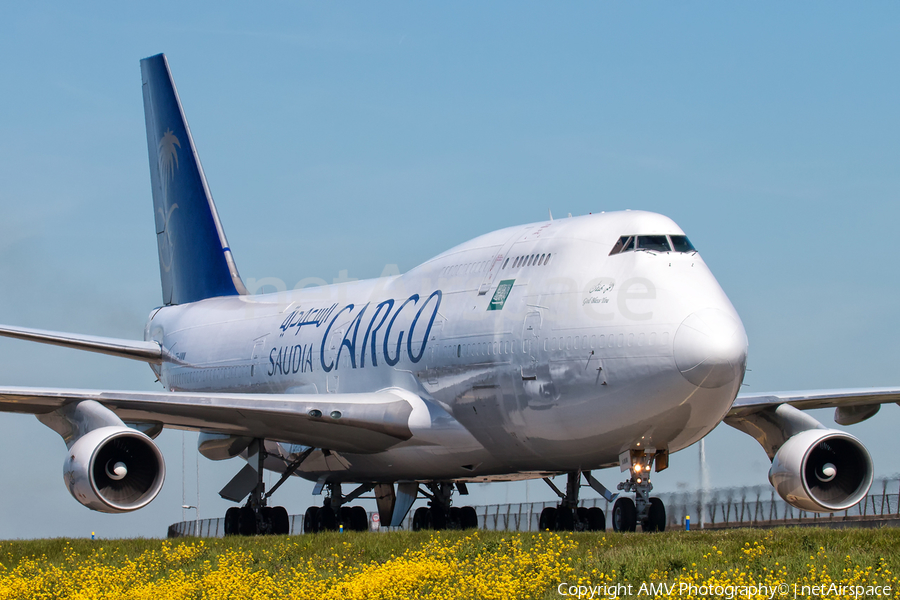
x=356 y=423
x=150 y=352
x=851 y=405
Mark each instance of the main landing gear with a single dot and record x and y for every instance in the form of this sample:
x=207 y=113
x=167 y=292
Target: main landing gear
x=649 y=512
x=334 y=514
x=568 y=516
x=439 y=514
x=256 y=517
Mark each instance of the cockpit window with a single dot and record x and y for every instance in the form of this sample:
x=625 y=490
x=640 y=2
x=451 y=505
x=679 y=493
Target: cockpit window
x=681 y=244
x=656 y=243
x=619 y=245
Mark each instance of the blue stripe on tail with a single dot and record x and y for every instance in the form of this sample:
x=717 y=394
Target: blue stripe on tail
x=194 y=259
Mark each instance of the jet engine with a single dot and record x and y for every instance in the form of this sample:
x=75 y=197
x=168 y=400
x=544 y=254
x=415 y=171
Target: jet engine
x=114 y=469
x=822 y=470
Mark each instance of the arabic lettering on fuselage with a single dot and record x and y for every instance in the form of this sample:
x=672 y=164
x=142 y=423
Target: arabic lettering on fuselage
x=311 y=316
x=379 y=324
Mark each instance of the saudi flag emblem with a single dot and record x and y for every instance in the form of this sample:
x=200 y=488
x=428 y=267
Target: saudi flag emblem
x=500 y=294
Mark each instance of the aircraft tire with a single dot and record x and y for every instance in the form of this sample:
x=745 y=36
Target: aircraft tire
x=565 y=519
x=469 y=517
x=439 y=519
x=624 y=517
x=422 y=518
x=346 y=518
x=359 y=519
x=596 y=519
x=265 y=523
x=281 y=523
x=582 y=522
x=548 y=519
x=311 y=520
x=656 y=518
x=328 y=521
x=247 y=521
x=232 y=521
x=455 y=521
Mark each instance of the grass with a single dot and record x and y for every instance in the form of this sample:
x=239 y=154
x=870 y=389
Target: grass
x=441 y=565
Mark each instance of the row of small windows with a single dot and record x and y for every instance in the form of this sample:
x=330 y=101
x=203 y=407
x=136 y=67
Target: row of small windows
x=479 y=267
x=210 y=374
x=653 y=243
x=534 y=260
x=560 y=343
x=606 y=341
x=481 y=349
x=464 y=269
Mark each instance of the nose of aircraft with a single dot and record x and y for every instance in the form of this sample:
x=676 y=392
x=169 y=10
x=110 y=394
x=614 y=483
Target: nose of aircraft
x=711 y=348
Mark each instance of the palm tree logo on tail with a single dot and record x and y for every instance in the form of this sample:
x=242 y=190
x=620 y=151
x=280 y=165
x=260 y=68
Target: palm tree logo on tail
x=168 y=163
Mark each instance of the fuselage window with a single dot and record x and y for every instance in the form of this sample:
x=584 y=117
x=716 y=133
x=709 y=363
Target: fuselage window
x=506 y=262
x=541 y=260
x=547 y=261
x=680 y=243
x=531 y=260
x=655 y=243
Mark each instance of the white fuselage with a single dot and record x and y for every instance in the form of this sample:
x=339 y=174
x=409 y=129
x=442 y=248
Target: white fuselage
x=557 y=366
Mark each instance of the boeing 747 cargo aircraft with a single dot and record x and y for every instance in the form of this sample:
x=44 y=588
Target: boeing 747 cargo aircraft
x=563 y=347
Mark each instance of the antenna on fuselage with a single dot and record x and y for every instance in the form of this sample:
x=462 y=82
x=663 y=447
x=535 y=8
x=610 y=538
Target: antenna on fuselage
x=551 y=213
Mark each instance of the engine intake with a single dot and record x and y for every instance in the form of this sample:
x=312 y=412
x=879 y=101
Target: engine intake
x=114 y=469
x=822 y=470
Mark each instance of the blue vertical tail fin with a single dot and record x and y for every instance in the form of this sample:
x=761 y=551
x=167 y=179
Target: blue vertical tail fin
x=195 y=261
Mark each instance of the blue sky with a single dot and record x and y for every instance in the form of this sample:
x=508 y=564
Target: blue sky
x=349 y=136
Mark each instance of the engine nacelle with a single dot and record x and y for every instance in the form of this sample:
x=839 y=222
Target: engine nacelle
x=114 y=469
x=822 y=470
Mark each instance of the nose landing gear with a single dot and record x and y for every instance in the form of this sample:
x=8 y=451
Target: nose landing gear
x=649 y=512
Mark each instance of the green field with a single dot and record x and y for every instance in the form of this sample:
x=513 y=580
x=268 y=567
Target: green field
x=451 y=564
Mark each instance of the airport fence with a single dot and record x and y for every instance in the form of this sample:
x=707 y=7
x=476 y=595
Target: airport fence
x=757 y=506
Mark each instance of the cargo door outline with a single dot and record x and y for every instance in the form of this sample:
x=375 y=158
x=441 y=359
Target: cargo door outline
x=531 y=333
x=497 y=264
